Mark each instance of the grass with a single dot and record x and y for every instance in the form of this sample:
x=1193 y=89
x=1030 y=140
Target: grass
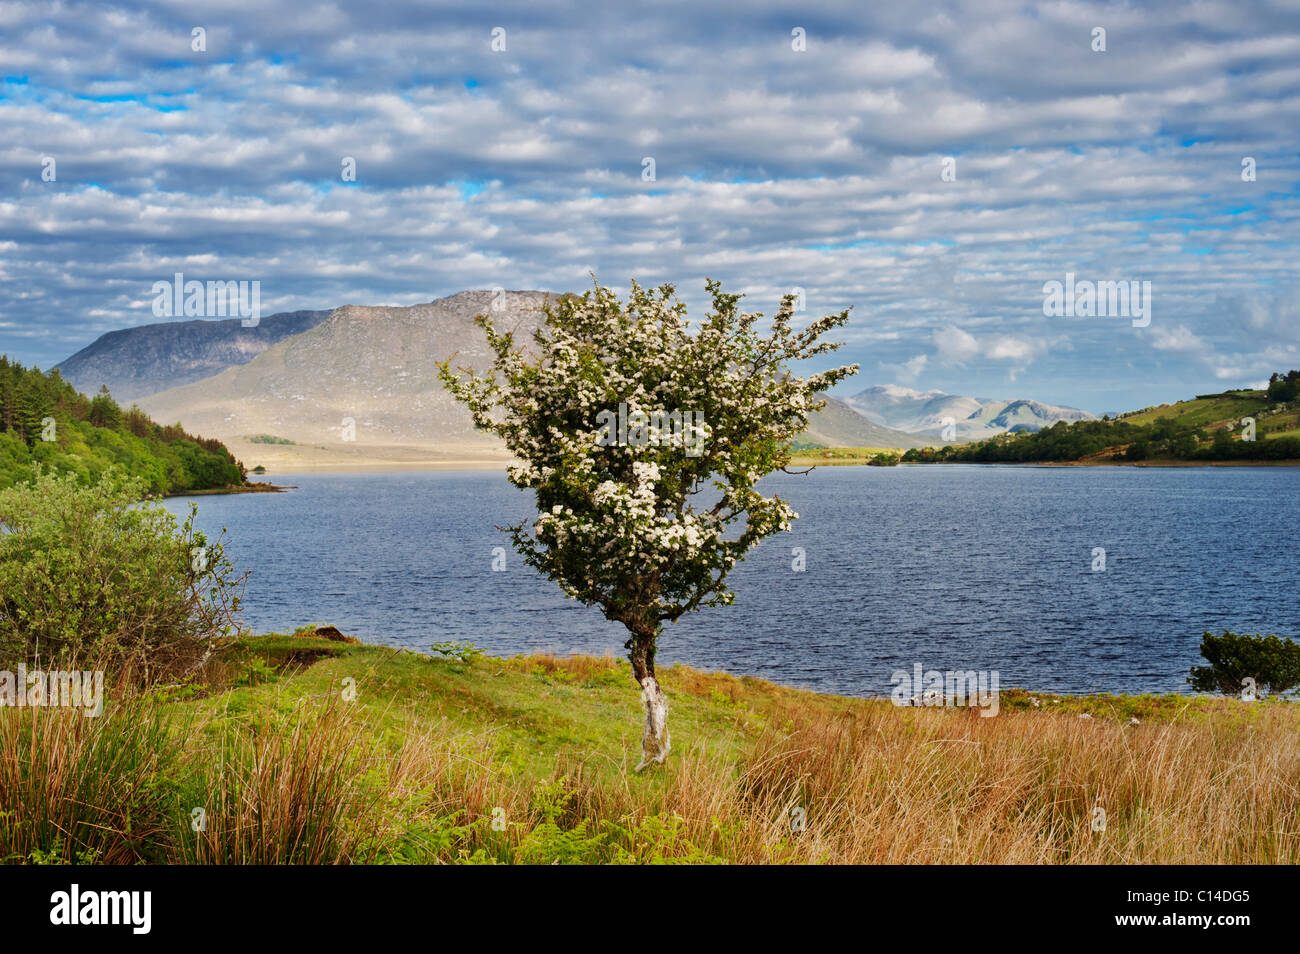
x=1203 y=412
x=270 y=439
x=824 y=456
x=1215 y=412
x=303 y=749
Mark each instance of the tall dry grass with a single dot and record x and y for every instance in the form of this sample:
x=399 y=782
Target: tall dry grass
x=933 y=786
x=308 y=786
x=311 y=781
x=90 y=790
x=919 y=786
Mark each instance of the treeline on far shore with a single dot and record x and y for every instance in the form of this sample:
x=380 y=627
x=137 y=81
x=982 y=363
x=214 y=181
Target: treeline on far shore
x=1180 y=433
x=45 y=423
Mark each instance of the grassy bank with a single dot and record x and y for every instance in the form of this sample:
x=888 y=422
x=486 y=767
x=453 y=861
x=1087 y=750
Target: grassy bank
x=252 y=487
x=303 y=749
x=832 y=456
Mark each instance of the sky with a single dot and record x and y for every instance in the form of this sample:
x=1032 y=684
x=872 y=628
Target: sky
x=930 y=165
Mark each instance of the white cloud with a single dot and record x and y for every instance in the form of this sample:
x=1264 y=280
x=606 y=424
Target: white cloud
x=955 y=345
x=775 y=169
x=1177 y=338
x=909 y=370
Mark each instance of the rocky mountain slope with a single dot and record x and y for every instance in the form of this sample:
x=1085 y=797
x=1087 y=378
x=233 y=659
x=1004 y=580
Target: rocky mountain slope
x=839 y=425
x=362 y=387
x=134 y=362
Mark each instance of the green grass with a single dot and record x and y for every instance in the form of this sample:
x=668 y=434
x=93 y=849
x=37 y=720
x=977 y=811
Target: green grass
x=305 y=749
x=535 y=707
x=803 y=457
x=1202 y=412
x=270 y=439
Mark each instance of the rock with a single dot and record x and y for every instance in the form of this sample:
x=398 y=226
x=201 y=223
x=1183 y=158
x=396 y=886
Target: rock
x=331 y=632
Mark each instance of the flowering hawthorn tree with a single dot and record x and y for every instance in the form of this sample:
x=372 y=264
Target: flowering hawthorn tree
x=643 y=440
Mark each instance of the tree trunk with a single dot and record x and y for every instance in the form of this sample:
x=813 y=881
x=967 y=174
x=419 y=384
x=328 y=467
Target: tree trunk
x=655 y=742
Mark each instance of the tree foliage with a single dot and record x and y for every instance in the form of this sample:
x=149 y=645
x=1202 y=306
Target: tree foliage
x=46 y=423
x=1272 y=663
x=645 y=530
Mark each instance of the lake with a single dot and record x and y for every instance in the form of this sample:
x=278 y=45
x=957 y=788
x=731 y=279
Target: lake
x=949 y=566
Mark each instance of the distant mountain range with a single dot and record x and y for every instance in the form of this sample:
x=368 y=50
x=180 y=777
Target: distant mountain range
x=839 y=425
x=923 y=413
x=354 y=384
x=134 y=362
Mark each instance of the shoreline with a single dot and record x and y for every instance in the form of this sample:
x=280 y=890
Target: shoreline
x=255 y=487
x=797 y=461
x=308 y=636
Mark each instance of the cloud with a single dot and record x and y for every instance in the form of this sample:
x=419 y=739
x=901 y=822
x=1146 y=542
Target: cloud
x=774 y=168
x=957 y=346
x=908 y=371
x=1177 y=338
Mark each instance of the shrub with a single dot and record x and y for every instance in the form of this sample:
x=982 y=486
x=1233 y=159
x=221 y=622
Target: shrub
x=88 y=572
x=1138 y=450
x=461 y=651
x=1273 y=664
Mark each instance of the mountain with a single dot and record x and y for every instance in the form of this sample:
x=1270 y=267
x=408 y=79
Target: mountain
x=137 y=361
x=361 y=386
x=923 y=412
x=839 y=425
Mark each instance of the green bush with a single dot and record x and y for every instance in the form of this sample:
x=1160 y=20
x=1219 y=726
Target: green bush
x=1273 y=664
x=89 y=573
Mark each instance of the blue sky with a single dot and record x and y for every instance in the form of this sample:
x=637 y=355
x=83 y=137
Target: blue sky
x=775 y=168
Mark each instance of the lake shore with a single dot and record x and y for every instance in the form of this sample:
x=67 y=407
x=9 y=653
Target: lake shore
x=253 y=487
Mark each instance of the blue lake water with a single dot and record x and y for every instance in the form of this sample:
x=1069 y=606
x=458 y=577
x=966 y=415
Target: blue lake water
x=952 y=566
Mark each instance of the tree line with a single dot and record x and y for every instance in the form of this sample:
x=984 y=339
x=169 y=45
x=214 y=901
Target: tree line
x=1164 y=439
x=45 y=423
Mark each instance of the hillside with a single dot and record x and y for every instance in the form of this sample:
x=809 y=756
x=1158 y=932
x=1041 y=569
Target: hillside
x=134 y=362
x=1211 y=428
x=839 y=425
x=1273 y=419
x=45 y=422
x=923 y=412
x=373 y=366
x=376 y=366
